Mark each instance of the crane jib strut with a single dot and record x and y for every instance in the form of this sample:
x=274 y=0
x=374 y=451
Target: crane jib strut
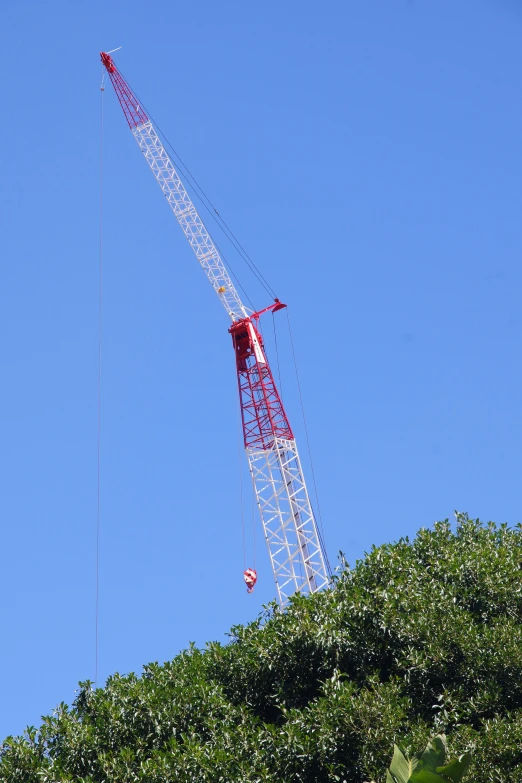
x=298 y=560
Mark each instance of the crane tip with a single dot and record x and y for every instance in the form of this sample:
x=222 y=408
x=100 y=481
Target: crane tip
x=108 y=61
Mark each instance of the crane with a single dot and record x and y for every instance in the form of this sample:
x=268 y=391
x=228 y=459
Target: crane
x=295 y=547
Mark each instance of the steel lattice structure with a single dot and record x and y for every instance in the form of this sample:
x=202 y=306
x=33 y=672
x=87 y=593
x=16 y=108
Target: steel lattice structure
x=294 y=545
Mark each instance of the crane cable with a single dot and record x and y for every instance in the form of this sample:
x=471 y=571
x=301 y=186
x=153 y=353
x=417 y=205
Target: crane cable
x=254 y=522
x=221 y=223
x=211 y=209
x=320 y=530
x=242 y=500
x=189 y=177
x=280 y=388
x=242 y=507
x=100 y=323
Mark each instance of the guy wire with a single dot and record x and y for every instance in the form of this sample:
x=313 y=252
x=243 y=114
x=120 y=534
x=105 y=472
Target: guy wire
x=100 y=323
x=320 y=529
x=209 y=206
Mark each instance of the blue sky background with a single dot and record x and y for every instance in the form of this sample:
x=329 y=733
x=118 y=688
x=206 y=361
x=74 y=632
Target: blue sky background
x=368 y=156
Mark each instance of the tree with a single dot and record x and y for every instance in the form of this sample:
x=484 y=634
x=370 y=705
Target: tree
x=420 y=637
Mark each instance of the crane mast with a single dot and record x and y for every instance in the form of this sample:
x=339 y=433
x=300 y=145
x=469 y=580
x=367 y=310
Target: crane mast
x=294 y=544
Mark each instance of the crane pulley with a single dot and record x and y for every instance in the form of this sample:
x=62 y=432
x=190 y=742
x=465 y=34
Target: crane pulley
x=298 y=560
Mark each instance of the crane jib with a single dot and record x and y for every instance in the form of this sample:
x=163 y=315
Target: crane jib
x=299 y=563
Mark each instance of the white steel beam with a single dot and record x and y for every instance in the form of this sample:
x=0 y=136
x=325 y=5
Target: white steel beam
x=289 y=526
x=193 y=227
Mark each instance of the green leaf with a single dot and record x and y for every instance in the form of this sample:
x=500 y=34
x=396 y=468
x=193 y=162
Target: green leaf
x=435 y=753
x=401 y=768
x=456 y=769
x=425 y=776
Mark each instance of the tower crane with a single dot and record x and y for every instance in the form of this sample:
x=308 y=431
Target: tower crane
x=296 y=551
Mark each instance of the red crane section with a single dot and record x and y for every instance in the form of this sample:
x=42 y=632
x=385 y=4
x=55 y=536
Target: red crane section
x=262 y=412
x=134 y=113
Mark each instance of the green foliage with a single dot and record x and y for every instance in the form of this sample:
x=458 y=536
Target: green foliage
x=429 y=766
x=421 y=637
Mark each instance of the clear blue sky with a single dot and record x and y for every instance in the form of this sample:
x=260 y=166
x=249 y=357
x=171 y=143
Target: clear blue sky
x=368 y=155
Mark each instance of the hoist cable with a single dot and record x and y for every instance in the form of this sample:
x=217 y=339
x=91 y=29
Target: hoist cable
x=100 y=324
x=199 y=198
x=277 y=357
x=240 y=460
x=254 y=521
x=214 y=214
x=216 y=217
x=209 y=206
x=231 y=270
x=320 y=530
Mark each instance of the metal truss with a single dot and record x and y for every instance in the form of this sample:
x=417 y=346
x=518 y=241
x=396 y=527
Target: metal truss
x=262 y=411
x=290 y=530
x=294 y=544
x=188 y=218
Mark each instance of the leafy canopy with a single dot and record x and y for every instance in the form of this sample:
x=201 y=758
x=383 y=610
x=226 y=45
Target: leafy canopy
x=421 y=637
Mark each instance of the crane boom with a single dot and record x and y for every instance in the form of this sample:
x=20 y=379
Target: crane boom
x=193 y=227
x=294 y=544
x=177 y=197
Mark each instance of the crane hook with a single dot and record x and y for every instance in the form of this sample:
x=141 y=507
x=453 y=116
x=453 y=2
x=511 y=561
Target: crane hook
x=250 y=577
